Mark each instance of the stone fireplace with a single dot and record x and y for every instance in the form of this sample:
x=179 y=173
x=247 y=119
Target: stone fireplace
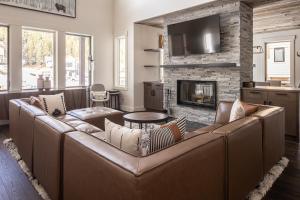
x=236 y=48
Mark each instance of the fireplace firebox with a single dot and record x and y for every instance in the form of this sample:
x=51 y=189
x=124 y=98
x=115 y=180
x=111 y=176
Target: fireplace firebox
x=197 y=93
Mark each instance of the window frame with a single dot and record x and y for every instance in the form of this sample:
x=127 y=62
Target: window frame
x=82 y=70
x=116 y=61
x=55 y=55
x=8 y=57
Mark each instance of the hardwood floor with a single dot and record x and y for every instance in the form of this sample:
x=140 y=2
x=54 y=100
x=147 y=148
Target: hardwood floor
x=14 y=185
x=287 y=187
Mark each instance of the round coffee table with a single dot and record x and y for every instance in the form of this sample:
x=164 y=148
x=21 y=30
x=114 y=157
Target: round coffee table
x=145 y=118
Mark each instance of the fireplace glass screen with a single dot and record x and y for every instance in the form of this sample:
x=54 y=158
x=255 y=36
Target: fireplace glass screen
x=196 y=93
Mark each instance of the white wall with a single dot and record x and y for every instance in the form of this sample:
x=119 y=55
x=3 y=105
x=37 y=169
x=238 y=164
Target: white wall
x=259 y=59
x=130 y=11
x=94 y=17
x=145 y=37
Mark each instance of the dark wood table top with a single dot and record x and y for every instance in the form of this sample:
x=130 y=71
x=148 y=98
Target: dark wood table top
x=146 y=117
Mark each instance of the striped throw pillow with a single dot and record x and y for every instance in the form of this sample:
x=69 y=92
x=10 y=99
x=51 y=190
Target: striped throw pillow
x=167 y=135
x=181 y=124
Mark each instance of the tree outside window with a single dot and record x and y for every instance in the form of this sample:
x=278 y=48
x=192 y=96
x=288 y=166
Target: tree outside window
x=37 y=57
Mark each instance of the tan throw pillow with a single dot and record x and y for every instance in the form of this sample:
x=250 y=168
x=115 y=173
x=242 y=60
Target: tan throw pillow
x=249 y=108
x=123 y=138
x=35 y=101
x=54 y=104
x=237 y=111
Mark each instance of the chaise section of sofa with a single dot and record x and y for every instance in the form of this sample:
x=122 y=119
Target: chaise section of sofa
x=192 y=169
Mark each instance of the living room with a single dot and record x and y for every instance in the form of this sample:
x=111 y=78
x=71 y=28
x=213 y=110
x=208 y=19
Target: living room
x=164 y=99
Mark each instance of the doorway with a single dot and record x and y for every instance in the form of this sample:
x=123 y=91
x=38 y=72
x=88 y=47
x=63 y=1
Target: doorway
x=278 y=62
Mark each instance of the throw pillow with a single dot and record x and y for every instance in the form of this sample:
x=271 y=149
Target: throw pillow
x=237 y=111
x=122 y=137
x=54 y=104
x=35 y=102
x=163 y=136
x=249 y=108
x=181 y=124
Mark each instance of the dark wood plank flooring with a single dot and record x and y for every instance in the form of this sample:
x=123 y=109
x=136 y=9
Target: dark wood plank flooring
x=14 y=185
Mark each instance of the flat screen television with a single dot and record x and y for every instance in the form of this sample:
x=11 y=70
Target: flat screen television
x=200 y=36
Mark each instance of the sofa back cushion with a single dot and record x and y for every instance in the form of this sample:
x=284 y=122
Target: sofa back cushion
x=224 y=110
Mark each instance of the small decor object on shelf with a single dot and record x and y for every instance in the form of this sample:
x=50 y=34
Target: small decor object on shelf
x=161 y=42
x=40 y=82
x=47 y=83
x=65 y=8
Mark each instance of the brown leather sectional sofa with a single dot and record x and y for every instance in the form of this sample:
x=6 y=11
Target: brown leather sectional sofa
x=221 y=161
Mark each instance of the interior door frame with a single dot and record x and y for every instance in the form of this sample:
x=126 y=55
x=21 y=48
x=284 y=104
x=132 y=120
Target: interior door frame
x=277 y=39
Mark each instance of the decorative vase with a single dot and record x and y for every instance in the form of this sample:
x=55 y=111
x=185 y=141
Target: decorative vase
x=40 y=82
x=47 y=83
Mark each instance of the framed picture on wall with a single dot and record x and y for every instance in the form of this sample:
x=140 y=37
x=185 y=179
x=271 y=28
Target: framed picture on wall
x=279 y=54
x=65 y=8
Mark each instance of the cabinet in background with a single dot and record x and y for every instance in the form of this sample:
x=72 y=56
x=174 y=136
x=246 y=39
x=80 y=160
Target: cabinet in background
x=153 y=96
x=289 y=99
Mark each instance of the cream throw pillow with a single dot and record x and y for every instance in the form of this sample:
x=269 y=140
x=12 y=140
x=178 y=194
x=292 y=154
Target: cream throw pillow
x=237 y=111
x=122 y=137
x=53 y=103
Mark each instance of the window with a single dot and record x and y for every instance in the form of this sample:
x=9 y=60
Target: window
x=278 y=62
x=121 y=62
x=78 y=58
x=3 y=58
x=37 y=57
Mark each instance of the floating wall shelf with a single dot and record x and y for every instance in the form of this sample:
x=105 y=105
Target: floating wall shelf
x=200 y=65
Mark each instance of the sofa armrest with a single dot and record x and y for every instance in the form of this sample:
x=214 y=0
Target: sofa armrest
x=196 y=164
x=244 y=155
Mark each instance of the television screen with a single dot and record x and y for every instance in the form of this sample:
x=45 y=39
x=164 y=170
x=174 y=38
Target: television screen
x=200 y=36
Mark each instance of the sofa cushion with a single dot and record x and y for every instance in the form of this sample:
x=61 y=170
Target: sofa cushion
x=66 y=118
x=203 y=130
x=54 y=104
x=87 y=128
x=237 y=111
x=122 y=137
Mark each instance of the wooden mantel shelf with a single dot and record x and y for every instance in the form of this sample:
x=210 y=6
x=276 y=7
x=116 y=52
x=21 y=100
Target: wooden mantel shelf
x=200 y=65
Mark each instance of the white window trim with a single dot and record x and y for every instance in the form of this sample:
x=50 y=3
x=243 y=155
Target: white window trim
x=82 y=65
x=116 y=58
x=8 y=67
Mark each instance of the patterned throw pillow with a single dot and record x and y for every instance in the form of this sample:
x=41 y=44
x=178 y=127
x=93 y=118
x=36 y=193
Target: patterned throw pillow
x=181 y=124
x=124 y=138
x=36 y=102
x=164 y=136
x=54 y=104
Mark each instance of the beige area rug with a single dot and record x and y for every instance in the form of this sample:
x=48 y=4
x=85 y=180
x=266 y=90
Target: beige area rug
x=256 y=194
